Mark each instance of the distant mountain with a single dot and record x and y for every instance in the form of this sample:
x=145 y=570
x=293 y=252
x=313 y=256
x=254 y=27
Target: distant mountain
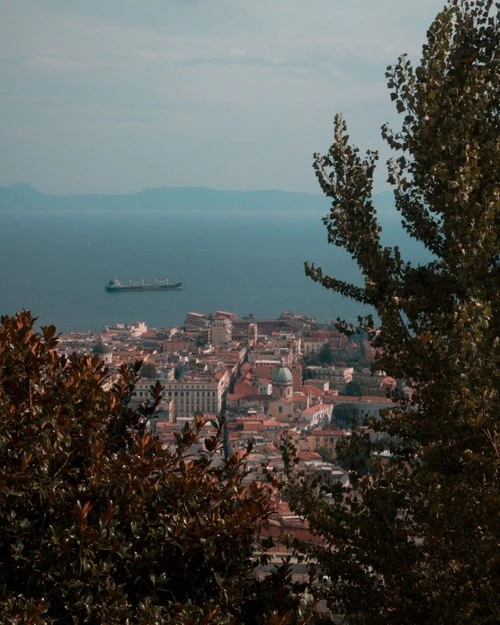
x=24 y=196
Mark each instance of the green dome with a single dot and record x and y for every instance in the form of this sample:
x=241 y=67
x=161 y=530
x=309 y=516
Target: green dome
x=282 y=375
x=101 y=349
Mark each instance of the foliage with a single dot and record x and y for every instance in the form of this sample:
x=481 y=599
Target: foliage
x=98 y=523
x=148 y=370
x=325 y=355
x=328 y=356
x=354 y=454
x=345 y=415
x=326 y=454
x=418 y=541
x=354 y=389
x=179 y=371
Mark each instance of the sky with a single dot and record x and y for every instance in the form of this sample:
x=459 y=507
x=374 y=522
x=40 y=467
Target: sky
x=114 y=96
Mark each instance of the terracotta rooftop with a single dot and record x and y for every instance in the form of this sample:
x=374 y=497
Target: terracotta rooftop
x=313 y=390
x=327 y=433
x=316 y=408
x=308 y=455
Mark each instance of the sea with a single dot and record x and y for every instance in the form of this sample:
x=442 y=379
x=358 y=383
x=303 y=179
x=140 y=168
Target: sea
x=57 y=262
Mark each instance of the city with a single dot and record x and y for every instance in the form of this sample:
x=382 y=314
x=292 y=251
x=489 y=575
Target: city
x=199 y=465
x=255 y=374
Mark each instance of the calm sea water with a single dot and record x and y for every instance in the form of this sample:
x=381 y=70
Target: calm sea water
x=56 y=264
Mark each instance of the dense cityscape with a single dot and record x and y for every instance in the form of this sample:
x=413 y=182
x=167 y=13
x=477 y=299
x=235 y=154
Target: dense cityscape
x=268 y=378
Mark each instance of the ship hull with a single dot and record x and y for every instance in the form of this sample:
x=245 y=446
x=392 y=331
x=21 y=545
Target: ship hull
x=132 y=288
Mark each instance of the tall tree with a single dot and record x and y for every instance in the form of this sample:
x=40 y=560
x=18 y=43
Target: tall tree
x=418 y=542
x=99 y=523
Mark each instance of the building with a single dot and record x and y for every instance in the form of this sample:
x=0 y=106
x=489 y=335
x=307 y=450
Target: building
x=325 y=439
x=266 y=369
x=224 y=314
x=367 y=405
x=282 y=410
x=253 y=332
x=282 y=382
x=318 y=415
x=221 y=331
x=104 y=352
x=196 y=321
x=313 y=342
x=338 y=377
x=200 y=393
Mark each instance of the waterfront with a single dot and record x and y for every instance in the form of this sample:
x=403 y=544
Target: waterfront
x=56 y=263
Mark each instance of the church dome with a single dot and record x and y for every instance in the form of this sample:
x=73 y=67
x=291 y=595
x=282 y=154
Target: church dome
x=101 y=349
x=282 y=375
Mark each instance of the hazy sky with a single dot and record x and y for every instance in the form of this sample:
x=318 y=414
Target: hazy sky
x=118 y=95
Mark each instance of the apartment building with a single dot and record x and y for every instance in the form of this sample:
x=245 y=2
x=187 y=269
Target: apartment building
x=221 y=331
x=313 y=342
x=197 y=393
x=338 y=377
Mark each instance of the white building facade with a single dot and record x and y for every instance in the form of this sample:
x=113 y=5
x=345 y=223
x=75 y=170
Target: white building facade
x=221 y=331
x=195 y=394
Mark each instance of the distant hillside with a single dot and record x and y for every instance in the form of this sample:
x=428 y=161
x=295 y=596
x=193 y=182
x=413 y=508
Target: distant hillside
x=24 y=196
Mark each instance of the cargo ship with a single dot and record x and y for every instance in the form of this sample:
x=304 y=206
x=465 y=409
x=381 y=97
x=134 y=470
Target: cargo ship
x=115 y=286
